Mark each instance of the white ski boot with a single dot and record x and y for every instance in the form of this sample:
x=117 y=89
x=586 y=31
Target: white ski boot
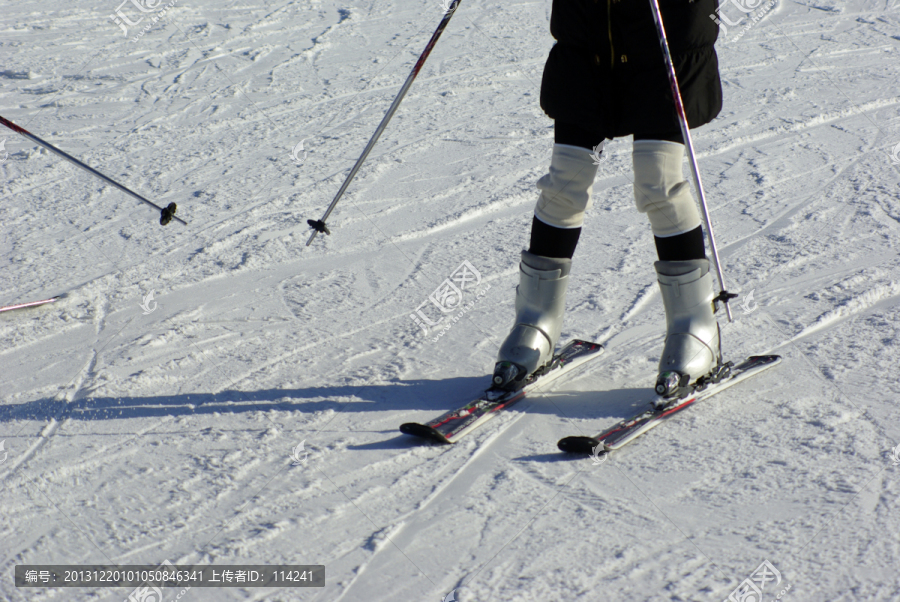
x=692 y=350
x=540 y=305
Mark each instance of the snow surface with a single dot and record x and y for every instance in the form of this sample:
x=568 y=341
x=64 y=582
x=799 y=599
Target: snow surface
x=134 y=438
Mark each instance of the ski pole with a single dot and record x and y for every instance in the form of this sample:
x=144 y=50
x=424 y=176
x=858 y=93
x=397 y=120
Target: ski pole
x=166 y=215
x=319 y=226
x=686 y=134
x=29 y=304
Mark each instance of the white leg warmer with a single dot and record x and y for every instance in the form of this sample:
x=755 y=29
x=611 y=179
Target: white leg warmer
x=660 y=189
x=566 y=189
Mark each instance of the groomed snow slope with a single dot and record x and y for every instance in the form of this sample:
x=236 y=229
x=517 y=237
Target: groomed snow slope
x=134 y=437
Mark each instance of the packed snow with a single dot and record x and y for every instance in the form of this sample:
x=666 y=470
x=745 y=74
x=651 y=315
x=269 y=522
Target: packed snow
x=157 y=412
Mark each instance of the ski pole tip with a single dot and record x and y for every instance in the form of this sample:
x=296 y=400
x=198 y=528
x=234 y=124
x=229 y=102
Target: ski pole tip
x=724 y=296
x=318 y=226
x=167 y=214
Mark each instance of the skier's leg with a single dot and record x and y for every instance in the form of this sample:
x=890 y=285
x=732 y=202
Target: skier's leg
x=544 y=268
x=547 y=238
x=550 y=241
x=681 y=247
x=692 y=348
x=660 y=189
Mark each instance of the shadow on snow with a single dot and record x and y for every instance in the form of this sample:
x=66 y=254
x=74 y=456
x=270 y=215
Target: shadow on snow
x=421 y=399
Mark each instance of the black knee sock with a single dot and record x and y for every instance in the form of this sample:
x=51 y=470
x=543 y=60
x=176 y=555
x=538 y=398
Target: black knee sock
x=550 y=241
x=681 y=247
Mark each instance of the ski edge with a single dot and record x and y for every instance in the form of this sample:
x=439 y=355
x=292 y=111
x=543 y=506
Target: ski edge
x=427 y=432
x=772 y=361
x=578 y=444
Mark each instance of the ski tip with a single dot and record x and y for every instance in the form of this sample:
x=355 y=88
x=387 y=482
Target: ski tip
x=578 y=445
x=424 y=432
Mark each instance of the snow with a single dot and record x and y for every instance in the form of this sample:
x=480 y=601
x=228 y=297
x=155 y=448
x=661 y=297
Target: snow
x=135 y=437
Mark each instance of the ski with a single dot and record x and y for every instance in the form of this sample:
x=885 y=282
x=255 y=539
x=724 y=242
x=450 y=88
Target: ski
x=29 y=304
x=627 y=430
x=453 y=425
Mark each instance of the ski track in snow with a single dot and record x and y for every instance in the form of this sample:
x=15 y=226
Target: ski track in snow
x=135 y=436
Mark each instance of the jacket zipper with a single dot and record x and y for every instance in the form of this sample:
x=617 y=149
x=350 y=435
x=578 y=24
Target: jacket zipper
x=612 y=54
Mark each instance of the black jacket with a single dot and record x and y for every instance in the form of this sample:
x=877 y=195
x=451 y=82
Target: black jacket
x=606 y=72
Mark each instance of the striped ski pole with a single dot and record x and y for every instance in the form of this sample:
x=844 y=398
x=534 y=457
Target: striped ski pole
x=319 y=225
x=166 y=214
x=686 y=134
x=29 y=304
